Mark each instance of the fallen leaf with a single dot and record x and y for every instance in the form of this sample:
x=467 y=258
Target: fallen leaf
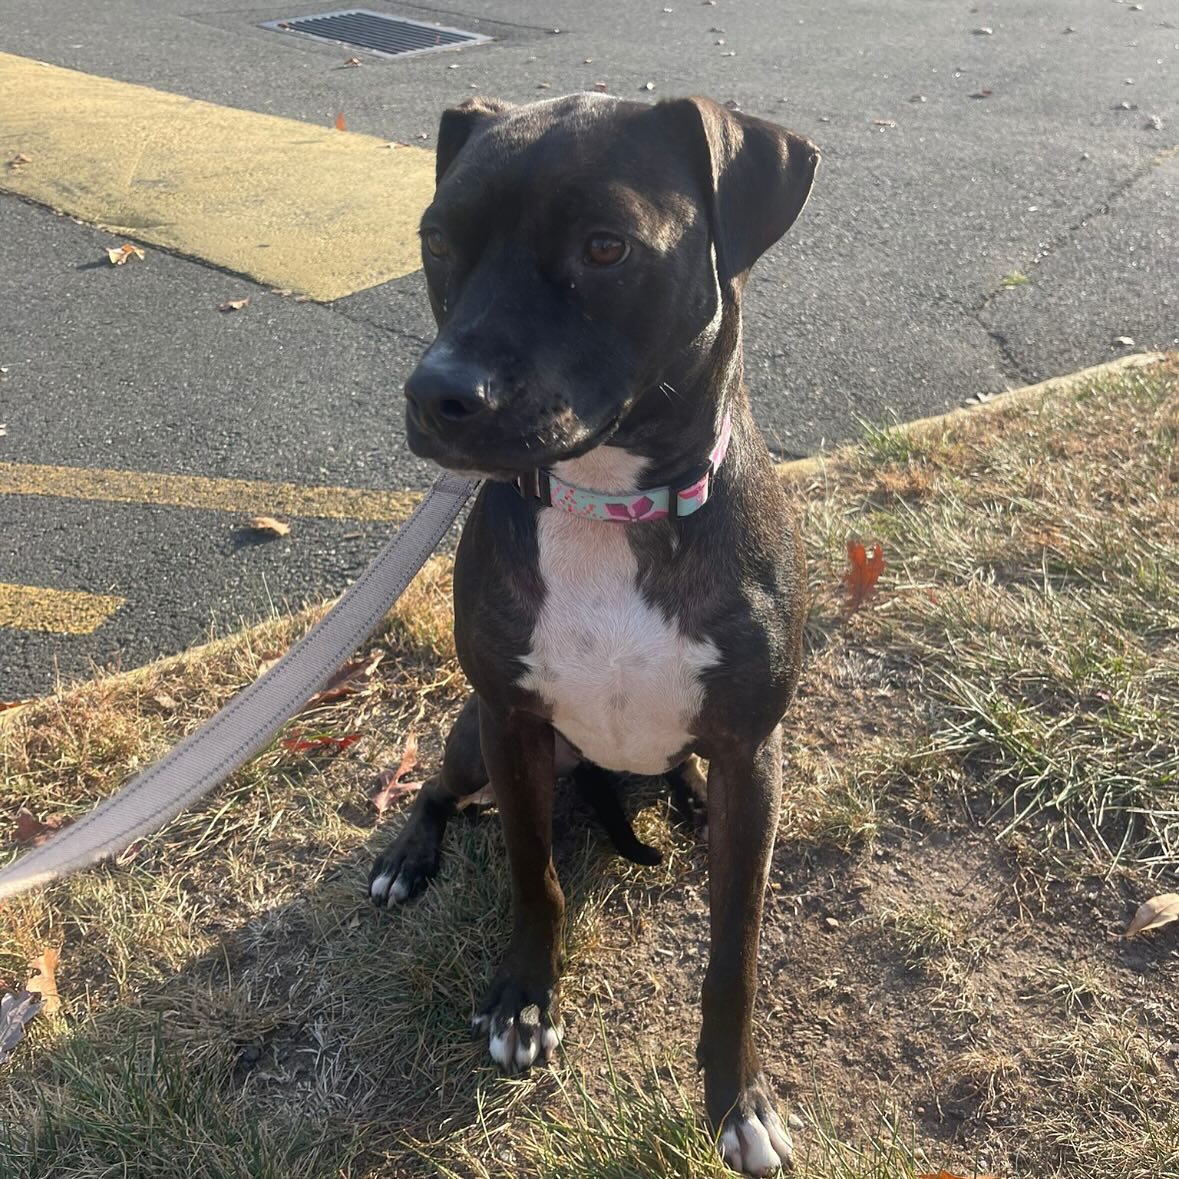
x=1154 y=914
x=267 y=660
x=863 y=572
x=43 y=980
x=984 y=31
x=484 y=797
x=950 y=1175
x=341 y=125
x=352 y=63
x=31 y=831
x=7 y=704
x=355 y=675
x=269 y=524
x=390 y=782
x=20 y=160
x=884 y=122
x=983 y=93
x=298 y=743
x=600 y=87
x=234 y=305
x=125 y=251
x=15 y=1012
x=1124 y=341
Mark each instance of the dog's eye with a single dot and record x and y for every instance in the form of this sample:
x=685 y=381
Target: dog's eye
x=437 y=244
x=603 y=249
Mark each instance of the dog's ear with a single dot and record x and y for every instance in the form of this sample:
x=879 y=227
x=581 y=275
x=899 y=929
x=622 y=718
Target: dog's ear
x=758 y=177
x=457 y=126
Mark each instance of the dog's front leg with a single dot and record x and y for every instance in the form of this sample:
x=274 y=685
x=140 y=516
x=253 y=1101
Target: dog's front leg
x=744 y=793
x=520 y=1010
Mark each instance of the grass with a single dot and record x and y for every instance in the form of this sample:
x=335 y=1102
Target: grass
x=981 y=782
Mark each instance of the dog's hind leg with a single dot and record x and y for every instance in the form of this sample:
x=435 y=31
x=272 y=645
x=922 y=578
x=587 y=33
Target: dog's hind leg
x=403 y=869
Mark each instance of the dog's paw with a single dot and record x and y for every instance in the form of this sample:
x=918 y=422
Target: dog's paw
x=753 y=1138
x=405 y=867
x=522 y=1027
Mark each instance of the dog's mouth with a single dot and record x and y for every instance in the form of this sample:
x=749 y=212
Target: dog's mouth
x=503 y=459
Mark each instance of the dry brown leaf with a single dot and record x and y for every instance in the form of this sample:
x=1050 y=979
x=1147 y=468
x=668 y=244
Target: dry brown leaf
x=43 y=979
x=355 y=676
x=353 y=62
x=267 y=660
x=5 y=705
x=234 y=305
x=269 y=524
x=951 y=1175
x=1154 y=914
x=125 y=251
x=392 y=786
x=32 y=832
x=19 y=160
x=341 y=125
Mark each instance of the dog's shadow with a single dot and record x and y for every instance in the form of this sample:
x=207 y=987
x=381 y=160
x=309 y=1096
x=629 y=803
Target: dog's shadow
x=328 y=1008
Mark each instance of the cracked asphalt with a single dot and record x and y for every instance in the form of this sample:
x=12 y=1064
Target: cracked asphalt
x=890 y=299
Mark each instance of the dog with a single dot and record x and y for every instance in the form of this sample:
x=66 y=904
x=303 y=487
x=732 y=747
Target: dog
x=629 y=584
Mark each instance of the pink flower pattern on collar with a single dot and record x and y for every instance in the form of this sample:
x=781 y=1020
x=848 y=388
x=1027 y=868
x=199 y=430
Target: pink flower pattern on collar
x=656 y=503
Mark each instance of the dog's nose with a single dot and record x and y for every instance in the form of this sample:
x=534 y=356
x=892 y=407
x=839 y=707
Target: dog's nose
x=446 y=392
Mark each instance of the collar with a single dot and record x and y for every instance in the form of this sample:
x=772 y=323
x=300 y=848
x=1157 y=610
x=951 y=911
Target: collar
x=656 y=503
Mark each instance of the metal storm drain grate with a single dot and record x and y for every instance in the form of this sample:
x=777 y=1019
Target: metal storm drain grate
x=390 y=36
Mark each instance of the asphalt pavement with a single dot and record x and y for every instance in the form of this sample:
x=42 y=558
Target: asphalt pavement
x=967 y=148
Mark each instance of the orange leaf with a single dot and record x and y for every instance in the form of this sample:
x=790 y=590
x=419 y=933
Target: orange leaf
x=340 y=124
x=951 y=1175
x=31 y=830
x=125 y=251
x=390 y=781
x=297 y=743
x=863 y=572
x=43 y=980
x=7 y=704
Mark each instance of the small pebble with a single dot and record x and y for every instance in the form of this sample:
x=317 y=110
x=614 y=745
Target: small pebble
x=794 y=1121
x=648 y=86
x=1154 y=123
x=917 y=98
x=831 y=922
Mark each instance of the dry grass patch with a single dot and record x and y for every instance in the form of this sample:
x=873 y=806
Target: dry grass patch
x=981 y=785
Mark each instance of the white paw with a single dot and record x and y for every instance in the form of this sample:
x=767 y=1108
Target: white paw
x=756 y=1145
x=389 y=890
x=516 y=1042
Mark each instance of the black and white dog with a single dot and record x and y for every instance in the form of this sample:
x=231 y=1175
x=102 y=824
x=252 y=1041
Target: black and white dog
x=629 y=584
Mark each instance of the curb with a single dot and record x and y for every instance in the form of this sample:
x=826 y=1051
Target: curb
x=798 y=470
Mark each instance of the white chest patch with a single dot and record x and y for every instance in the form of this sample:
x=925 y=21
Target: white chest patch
x=623 y=683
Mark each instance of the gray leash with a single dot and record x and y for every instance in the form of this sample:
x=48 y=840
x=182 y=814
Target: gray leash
x=247 y=723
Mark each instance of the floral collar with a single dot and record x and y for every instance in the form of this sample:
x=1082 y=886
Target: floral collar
x=639 y=507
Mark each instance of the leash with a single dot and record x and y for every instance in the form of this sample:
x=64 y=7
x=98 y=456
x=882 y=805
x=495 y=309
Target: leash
x=245 y=726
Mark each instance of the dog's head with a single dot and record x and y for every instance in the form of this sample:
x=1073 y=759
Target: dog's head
x=572 y=248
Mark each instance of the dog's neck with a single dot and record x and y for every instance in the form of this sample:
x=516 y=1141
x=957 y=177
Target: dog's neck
x=674 y=424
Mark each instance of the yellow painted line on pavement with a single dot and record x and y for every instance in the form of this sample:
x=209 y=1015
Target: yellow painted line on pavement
x=293 y=205
x=199 y=491
x=60 y=612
